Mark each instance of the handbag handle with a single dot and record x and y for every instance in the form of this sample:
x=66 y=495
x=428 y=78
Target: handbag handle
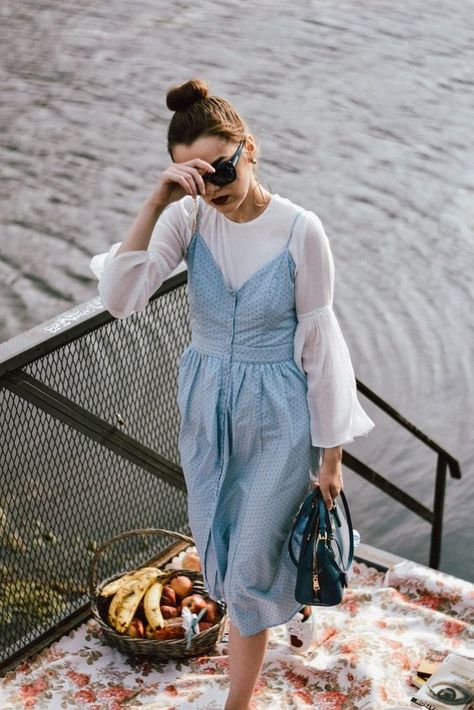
x=311 y=500
x=349 y=525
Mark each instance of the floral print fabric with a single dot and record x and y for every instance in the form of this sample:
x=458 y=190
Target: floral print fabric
x=366 y=650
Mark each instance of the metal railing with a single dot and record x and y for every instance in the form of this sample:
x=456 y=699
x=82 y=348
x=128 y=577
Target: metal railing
x=443 y=462
x=88 y=412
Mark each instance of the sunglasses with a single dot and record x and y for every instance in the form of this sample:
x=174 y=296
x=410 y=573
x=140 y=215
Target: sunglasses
x=225 y=169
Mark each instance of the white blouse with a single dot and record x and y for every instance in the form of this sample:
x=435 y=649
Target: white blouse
x=128 y=280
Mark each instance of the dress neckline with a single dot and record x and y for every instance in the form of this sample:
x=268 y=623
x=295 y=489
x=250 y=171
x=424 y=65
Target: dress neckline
x=256 y=273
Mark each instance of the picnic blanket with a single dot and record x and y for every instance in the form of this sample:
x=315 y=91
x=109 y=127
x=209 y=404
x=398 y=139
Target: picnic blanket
x=366 y=650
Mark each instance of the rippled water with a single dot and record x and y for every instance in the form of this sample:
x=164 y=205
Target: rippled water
x=364 y=112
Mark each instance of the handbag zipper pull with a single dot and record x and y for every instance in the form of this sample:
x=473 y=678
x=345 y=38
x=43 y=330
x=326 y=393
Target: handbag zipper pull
x=315 y=567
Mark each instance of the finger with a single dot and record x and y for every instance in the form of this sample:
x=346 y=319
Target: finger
x=325 y=492
x=202 y=164
x=193 y=176
x=197 y=177
x=185 y=181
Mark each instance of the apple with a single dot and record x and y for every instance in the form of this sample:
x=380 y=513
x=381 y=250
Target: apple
x=169 y=612
x=168 y=595
x=191 y=561
x=213 y=612
x=194 y=602
x=182 y=585
x=136 y=629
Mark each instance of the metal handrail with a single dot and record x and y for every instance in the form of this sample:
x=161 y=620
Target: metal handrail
x=444 y=461
x=47 y=337
x=385 y=407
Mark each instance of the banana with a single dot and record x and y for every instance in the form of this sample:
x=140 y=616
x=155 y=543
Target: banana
x=114 y=586
x=126 y=600
x=151 y=605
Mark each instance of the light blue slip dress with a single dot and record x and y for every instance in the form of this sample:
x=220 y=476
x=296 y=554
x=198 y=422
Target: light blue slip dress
x=244 y=437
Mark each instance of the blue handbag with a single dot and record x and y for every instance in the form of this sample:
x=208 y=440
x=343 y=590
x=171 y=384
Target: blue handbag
x=325 y=541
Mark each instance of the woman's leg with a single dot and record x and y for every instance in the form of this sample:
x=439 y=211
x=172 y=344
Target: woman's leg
x=245 y=662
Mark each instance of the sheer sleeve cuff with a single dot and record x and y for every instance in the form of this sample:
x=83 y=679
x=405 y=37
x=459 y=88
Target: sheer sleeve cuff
x=99 y=262
x=321 y=352
x=126 y=280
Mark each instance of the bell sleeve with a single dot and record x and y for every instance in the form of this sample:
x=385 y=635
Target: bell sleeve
x=128 y=280
x=320 y=351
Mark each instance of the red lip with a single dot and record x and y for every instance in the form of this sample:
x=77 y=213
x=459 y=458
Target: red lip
x=221 y=197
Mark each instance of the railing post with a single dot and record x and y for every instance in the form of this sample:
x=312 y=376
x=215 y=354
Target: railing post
x=437 y=528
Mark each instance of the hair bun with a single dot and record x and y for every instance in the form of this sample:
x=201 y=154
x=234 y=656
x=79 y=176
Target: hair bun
x=182 y=97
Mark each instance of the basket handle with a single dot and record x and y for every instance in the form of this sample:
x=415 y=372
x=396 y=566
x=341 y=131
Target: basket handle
x=92 y=575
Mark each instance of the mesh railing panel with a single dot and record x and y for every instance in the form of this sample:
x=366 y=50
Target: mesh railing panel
x=128 y=367
x=62 y=493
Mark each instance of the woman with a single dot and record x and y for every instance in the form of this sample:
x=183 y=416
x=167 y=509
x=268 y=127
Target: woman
x=266 y=389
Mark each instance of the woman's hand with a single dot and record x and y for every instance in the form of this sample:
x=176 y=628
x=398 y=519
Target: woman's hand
x=330 y=475
x=181 y=179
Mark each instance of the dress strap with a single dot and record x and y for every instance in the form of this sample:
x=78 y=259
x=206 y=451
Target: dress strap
x=292 y=227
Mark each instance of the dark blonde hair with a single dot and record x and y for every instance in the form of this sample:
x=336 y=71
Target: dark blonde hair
x=197 y=114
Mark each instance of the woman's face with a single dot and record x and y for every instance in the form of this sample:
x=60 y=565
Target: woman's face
x=211 y=149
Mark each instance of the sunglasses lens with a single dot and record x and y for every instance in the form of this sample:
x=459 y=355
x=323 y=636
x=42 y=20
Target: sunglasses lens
x=224 y=175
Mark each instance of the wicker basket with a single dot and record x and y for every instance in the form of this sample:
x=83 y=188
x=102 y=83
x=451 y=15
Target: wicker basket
x=201 y=644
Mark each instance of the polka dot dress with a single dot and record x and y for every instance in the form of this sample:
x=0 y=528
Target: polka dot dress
x=244 y=437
